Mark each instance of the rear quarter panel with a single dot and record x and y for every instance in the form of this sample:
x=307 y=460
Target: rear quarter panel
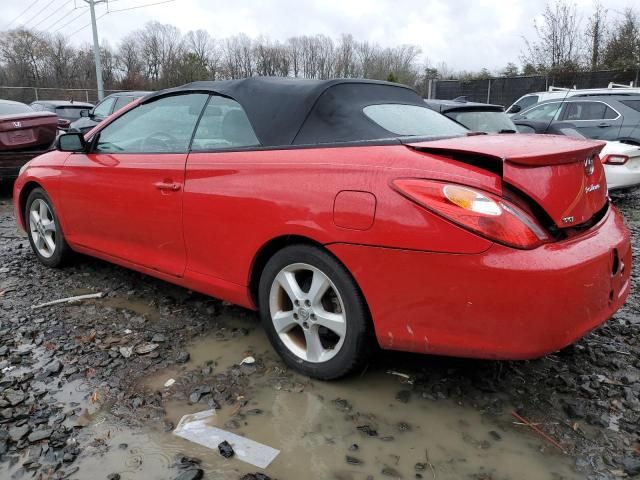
x=236 y=202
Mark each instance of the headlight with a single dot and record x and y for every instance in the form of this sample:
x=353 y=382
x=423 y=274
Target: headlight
x=23 y=167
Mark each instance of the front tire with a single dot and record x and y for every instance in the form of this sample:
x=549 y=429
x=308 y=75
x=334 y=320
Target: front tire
x=44 y=230
x=314 y=313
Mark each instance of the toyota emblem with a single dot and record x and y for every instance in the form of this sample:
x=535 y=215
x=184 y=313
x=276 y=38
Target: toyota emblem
x=588 y=165
x=17 y=124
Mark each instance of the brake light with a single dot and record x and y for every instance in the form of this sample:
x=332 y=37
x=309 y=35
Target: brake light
x=615 y=159
x=481 y=212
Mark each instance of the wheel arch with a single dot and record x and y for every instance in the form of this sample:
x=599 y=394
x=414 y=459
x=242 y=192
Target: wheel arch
x=26 y=189
x=278 y=243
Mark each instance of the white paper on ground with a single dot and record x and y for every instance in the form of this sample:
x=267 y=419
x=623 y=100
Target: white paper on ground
x=194 y=428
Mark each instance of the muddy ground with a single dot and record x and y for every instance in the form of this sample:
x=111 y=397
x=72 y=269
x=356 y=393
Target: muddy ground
x=83 y=395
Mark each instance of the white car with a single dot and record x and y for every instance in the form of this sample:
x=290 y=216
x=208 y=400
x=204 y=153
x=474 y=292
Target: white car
x=556 y=93
x=621 y=165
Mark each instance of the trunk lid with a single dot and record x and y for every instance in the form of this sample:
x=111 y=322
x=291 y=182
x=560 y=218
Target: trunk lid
x=21 y=131
x=563 y=175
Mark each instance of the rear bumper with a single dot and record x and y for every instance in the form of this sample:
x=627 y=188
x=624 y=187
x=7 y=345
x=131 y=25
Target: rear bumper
x=500 y=304
x=11 y=162
x=623 y=176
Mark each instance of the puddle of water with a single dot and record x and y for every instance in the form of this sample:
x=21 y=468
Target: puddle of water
x=314 y=436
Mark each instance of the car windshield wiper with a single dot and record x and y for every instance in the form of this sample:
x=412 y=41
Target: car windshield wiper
x=507 y=130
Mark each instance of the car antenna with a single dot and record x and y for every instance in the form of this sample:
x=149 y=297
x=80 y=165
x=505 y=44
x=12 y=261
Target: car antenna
x=557 y=111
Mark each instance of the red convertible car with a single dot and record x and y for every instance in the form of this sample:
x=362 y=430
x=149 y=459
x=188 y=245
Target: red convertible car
x=347 y=213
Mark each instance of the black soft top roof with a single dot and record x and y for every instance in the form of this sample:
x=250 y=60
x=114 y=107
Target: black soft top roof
x=288 y=111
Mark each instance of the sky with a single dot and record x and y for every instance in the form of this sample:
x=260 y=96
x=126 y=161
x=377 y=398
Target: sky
x=465 y=34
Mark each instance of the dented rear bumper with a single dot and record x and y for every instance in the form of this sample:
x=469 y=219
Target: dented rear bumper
x=499 y=304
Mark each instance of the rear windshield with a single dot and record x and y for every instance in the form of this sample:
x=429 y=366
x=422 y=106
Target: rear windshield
x=71 y=112
x=11 y=108
x=412 y=121
x=484 y=121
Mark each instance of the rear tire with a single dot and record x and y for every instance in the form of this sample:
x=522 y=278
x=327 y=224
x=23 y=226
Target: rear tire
x=44 y=230
x=314 y=313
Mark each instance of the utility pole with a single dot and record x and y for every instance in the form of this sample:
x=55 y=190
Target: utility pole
x=96 y=46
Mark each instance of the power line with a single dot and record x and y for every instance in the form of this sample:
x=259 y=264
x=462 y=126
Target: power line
x=69 y=22
x=38 y=14
x=61 y=17
x=140 y=6
x=88 y=24
x=22 y=13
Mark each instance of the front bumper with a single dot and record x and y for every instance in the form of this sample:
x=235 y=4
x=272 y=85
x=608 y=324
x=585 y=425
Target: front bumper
x=499 y=304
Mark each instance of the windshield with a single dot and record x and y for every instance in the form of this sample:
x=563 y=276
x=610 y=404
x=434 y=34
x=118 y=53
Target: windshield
x=70 y=112
x=484 y=121
x=12 y=108
x=412 y=121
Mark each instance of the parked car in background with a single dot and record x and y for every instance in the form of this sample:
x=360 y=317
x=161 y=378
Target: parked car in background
x=621 y=160
x=477 y=117
x=613 y=117
x=66 y=110
x=555 y=93
x=346 y=212
x=24 y=134
x=102 y=110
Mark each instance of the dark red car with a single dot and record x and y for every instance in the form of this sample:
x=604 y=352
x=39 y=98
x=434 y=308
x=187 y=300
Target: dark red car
x=24 y=134
x=347 y=213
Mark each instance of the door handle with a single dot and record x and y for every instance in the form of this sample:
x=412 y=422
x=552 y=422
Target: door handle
x=171 y=186
x=604 y=125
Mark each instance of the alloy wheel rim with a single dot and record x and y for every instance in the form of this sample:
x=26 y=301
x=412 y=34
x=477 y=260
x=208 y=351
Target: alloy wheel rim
x=42 y=226
x=308 y=313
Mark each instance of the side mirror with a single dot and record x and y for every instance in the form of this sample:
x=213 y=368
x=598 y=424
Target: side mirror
x=71 y=142
x=515 y=109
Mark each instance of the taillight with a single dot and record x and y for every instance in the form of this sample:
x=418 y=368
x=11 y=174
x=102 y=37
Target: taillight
x=481 y=212
x=615 y=159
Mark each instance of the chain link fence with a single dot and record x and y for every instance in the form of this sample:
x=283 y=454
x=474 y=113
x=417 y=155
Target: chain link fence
x=506 y=90
x=32 y=94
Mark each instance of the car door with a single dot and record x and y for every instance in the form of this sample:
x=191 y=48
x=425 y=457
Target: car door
x=593 y=119
x=124 y=197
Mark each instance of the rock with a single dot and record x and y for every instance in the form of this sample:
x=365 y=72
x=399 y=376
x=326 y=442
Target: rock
x=69 y=457
x=39 y=435
x=191 y=474
x=574 y=410
x=53 y=367
x=255 y=476
x=353 y=460
x=146 y=348
x=18 y=433
x=631 y=465
x=113 y=476
x=353 y=447
x=403 y=396
x=14 y=397
x=367 y=430
x=159 y=338
x=126 y=351
x=391 y=472
x=195 y=396
x=183 y=357
x=225 y=449
x=495 y=435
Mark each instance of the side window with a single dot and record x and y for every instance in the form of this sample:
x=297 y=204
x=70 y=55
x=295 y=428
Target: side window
x=161 y=126
x=585 y=111
x=121 y=102
x=526 y=102
x=545 y=112
x=103 y=109
x=223 y=125
x=610 y=113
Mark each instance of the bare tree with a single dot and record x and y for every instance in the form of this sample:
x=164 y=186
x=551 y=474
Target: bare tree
x=558 y=44
x=596 y=35
x=623 y=45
